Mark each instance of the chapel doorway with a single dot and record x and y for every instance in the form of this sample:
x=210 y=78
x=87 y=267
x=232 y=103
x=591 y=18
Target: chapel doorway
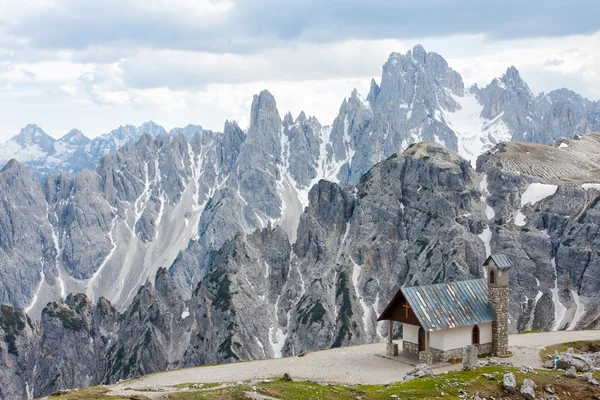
x=475 y=336
x=421 y=339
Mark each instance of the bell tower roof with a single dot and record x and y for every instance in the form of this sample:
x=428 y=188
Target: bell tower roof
x=500 y=260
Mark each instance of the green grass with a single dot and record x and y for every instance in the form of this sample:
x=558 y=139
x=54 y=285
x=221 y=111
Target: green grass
x=581 y=346
x=426 y=388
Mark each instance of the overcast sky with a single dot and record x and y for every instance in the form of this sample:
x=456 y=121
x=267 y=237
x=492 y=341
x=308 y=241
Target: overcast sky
x=98 y=64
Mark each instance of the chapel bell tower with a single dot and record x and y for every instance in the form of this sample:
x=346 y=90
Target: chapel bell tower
x=497 y=266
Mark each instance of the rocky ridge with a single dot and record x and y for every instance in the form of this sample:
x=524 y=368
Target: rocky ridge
x=43 y=155
x=416 y=218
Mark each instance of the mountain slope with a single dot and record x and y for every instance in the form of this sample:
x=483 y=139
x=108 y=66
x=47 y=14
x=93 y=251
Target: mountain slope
x=111 y=229
x=420 y=217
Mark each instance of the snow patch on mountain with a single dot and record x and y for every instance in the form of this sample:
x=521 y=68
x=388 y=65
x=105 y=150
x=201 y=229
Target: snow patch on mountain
x=534 y=193
x=579 y=310
x=559 y=309
x=537 y=192
x=475 y=134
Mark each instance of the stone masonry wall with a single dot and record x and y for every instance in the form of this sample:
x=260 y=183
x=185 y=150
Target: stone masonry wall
x=410 y=348
x=498 y=298
x=438 y=355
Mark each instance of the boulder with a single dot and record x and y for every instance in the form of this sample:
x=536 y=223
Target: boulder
x=549 y=389
x=528 y=389
x=581 y=362
x=509 y=383
x=589 y=378
x=571 y=372
x=595 y=357
x=420 y=371
x=286 y=377
x=549 y=364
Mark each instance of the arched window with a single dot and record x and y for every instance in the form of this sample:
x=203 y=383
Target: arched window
x=492 y=276
x=475 y=336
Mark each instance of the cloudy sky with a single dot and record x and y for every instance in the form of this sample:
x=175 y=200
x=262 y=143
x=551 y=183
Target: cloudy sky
x=98 y=64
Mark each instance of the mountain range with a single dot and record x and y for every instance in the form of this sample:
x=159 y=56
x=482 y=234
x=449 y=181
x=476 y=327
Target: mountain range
x=199 y=247
x=43 y=155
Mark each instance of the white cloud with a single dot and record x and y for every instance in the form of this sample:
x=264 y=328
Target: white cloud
x=69 y=89
x=201 y=61
x=578 y=66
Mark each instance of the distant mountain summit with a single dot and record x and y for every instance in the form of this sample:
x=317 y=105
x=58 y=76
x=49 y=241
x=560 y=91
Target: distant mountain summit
x=44 y=155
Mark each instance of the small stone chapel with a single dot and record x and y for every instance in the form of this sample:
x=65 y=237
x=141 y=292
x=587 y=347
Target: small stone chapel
x=440 y=320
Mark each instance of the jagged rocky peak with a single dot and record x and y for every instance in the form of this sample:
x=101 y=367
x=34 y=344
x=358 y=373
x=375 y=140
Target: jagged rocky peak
x=288 y=119
x=511 y=96
x=265 y=124
x=373 y=92
x=513 y=79
x=152 y=128
x=189 y=131
x=75 y=137
x=17 y=182
x=417 y=65
x=32 y=135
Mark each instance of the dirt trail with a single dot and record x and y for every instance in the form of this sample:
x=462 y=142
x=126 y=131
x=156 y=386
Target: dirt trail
x=352 y=365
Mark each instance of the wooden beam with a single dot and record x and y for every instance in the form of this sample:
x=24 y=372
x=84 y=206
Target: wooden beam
x=390 y=322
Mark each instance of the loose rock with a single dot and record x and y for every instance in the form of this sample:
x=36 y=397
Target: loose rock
x=571 y=372
x=549 y=389
x=589 y=378
x=509 y=383
x=580 y=362
x=528 y=389
x=420 y=371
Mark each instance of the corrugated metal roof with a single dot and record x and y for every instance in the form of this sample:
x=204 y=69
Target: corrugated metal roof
x=449 y=305
x=501 y=260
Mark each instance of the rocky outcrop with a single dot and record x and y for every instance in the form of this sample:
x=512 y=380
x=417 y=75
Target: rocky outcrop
x=27 y=253
x=19 y=347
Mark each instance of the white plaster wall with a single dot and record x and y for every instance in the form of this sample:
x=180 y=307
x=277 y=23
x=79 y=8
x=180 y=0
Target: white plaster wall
x=436 y=339
x=410 y=333
x=449 y=339
x=485 y=333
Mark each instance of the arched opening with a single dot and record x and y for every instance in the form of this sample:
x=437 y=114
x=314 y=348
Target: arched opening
x=475 y=336
x=492 y=276
x=421 y=339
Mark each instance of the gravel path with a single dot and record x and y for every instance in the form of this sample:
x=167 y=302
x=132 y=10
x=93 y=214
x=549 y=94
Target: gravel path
x=352 y=365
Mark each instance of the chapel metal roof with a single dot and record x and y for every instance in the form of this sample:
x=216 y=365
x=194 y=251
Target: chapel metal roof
x=501 y=260
x=450 y=305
